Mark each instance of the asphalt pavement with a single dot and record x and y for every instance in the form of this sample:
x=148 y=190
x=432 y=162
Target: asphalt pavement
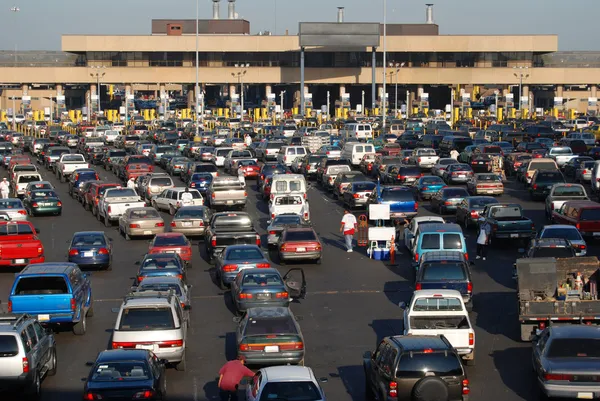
x=351 y=304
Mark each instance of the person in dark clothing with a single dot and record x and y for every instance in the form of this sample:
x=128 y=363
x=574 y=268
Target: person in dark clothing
x=230 y=376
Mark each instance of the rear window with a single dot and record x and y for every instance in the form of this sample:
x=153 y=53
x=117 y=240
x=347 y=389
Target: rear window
x=123 y=192
x=430 y=241
x=508 y=212
x=243 y=254
x=8 y=346
x=415 y=365
x=455 y=193
x=164 y=240
x=299 y=391
x=411 y=171
x=304 y=235
x=10 y=204
x=401 y=195
x=566 y=233
x=288 y=200
x=159 y=287
x=44 y=194
x=274 y=145
x=447 y=304
x=223 y=152
x=280 y=220
x=144 y=214
x=549 y=176
x=207 y=168
x=261 y=279
x=194 y=192
x=590 y=215
x=574 y=348
x=29 y=178
x=184 y=213
x=232 y=221
x=481 y=202
x=117 y=153
x=562 y=151
x=492 y=149
x=278 y=325
x=452 y=241
x=88 y=240
x=168 y=263
x=568 y=191
x=41 y=285
x=542 y=166
x=443 y=270
x=333 y=170
x=282 y=186
x=366 y=186
x=15 y=229
x=144 y=319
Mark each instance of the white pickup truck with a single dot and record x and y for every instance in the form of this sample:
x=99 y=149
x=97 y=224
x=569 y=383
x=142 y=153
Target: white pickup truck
x=435 y=312
x=289 y=203
x=115 y=202
x=561 y=155
x=69 y=163
x=425 y=158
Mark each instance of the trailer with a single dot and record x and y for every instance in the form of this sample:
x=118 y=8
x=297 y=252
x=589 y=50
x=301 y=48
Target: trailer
x=549 y=293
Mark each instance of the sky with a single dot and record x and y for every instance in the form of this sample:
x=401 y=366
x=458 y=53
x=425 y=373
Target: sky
x=39 y=24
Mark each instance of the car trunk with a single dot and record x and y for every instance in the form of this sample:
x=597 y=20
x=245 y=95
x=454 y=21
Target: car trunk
x=19 y=247
x=189 y=223
x=300 y=246
x=41 y=295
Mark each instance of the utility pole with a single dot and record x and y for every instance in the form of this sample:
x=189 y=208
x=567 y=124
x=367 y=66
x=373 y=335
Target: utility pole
x=240 y=76
x=363 y=103
x=328 y=96
x=521 y=76
x=281 y=106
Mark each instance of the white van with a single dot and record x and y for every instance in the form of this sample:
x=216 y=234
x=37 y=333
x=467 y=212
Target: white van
x=288 y=183
x=287 y=154
x=355 y=151
x=595 y=182
x=357 y=131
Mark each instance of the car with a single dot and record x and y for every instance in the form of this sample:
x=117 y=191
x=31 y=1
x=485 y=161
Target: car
x=77 y=179
x=172 y=242
x=256 y=287
x=572 y=165
x=549 y=248
x=417 y=364
x=485 y=183
x=411 y=229
x=583 y=173
x=166 y=284
x=200 y=181
x=153 y=320
x=447 y=199
x=299 y=243
x=249 y=168
x=425 y=187
x=236 y=258
x=278 y=225
x=567 y=232
x=171 y=199
x=269 y=336
x=191 y=220
x=159 y=265
x=90 y=249
x=542 y=182
x=468 y=210
x=357 y=194
x=565 y=361
x=285 y=382
x=140 y=221
x=14 y=208
x=38 y=185
x=458 y=173
x=28 y=354
x=42 y=202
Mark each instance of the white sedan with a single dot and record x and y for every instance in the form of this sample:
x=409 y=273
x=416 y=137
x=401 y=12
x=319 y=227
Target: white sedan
x=332 y=152
x=285 y=383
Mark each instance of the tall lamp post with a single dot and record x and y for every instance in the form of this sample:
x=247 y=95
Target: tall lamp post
x=98 y=75
x=383 y=97
x=521 y=75
x=15 y=10
x=240 y=76
x=397 y=66
x=281 y=107
x=197 y=87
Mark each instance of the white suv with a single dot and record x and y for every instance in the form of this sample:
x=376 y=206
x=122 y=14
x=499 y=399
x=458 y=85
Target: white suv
x=154 y=321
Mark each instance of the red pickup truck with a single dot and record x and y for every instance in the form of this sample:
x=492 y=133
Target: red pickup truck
x=583 y=214
x=19 y=244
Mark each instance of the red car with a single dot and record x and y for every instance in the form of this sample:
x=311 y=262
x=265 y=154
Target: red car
x=172 y=243
x=92 y=196
x=266 y=188
x=299 y=243
x=19 y=244
x=249 y=167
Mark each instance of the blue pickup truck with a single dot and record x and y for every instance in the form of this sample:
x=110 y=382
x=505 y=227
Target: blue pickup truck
x=56 y=293
x=401 y=200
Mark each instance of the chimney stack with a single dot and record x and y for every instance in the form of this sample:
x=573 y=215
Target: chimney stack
x=340 y=15
x=231 y=10
x=216 y=9
x=429 y=14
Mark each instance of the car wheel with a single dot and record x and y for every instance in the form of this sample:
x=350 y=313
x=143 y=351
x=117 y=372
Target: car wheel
x=80 y=327
x=171 y=210
x=52 y=363
x=181 y=366
x=221 y=283
x=106 y=221
x=35 y=389
x=153 y=203
x=368 y=390
x=281 y=260
x=470 y=362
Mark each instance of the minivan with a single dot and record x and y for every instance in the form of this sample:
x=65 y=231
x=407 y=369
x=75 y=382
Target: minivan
x=357 y=131
x=437 y=237
x=355 y=151
x=287 y=154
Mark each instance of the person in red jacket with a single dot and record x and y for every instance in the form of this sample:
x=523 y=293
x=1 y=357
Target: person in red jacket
x=230 y=376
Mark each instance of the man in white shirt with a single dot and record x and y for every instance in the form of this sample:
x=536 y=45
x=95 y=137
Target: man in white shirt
x=131 y=183
x=348 y=227
x=454 y=154
x=241 y=176
x=4 y=188
x=187 y=199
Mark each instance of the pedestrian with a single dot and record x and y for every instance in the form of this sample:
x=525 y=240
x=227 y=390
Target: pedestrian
x=4 y=188
x=131 y=183
x=454 y=154
x=248 y=140
x=348 y=227
x=241 y=176
x=483 y=239
x=230 y=376
x=187 y=199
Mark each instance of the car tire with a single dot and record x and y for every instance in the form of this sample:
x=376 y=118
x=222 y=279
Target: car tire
x=153 y=203
x=470 y=362
x=221 y=283
x=80 y=327
x=171 y=210
x=34 y=391
x=369 y=396
x=106 y=222
x=181 y=365
x=53 y=363
x=431 y=388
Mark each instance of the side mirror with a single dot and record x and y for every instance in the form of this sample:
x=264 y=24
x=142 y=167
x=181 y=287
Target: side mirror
x=137 y=263
x=402 y=304
x=89 y=363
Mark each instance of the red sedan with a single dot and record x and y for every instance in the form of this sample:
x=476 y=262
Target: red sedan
x=249 y=167
x=172 y=243
x=299 y=243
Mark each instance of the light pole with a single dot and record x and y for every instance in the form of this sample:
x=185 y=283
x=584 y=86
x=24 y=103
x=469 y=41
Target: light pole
x=496 y=93
x=98 y=75
x=281 y=106
x=521 y=75
x=362 y=110
x=397 y=66
x=197 y=90
x=383 y=97
x=328 y=96
x=15 y=10
x=240 y=76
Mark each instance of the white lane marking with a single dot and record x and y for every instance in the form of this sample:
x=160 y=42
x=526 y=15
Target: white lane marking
x=195 y=389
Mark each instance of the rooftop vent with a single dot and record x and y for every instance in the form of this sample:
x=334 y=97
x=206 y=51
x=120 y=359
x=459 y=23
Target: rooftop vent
x=429 y=14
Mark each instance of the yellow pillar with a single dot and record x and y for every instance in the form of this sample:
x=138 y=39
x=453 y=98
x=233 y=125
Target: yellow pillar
x=469 y=113
x=500 y=114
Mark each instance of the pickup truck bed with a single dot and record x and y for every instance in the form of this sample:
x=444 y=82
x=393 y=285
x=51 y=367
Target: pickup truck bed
x=229 y=229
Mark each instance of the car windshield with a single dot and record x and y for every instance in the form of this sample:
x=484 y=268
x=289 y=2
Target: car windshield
x=569 y=190
x=88 y=240
x=163 y=240
x=160 y=287
x=120 y=371
x=290 y=390
x=243 y=254
x=400 y=195
x=283 y=220
x=443 y=270
x=300 y=235
x=144 y=214
x=261 y=279
x=590 y=215
x=145 y=319
x=572 y=234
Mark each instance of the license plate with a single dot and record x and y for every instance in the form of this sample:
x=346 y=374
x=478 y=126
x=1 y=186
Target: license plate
x=19 y=261
x=480 y=163
x=230 y=202
x=300 y=249
x=147 y=232
x=187 y=223
x=263 y=296
x=43 y=318
x=170 y=251
x=514 y=236
x=88 y=254
x=585 y=396
x=145 y=346
x=272 y=348
x=489 y=192
x=461 y=176
x=410 y=179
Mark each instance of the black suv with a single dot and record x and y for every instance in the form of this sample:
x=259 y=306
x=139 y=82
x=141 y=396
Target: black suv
x=542 y=181
x=418 y=368
x=453 y=142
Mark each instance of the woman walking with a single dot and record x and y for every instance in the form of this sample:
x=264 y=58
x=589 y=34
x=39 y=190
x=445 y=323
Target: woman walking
x=483 y=239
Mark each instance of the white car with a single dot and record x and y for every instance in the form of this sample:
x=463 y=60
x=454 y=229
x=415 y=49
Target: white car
x=110 y=135
x=289 y=203
x=439 y=167
x=170 y=199
x=220 y=155
x=272 y=382
x=332 y=152
x=425 y=158
x=411 y=230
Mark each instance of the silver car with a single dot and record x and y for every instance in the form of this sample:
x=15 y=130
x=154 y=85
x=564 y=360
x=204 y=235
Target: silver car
x=165 y=284
x=141 y=221
x=570 y=233
x=191 y=220
x=583 y=174
x=14 y=208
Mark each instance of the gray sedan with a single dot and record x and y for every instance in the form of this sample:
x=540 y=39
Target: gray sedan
x=166 y=284
x=279 y=223
x=570 y=233
x=566 y=360
x=191 y=220
x=236 y=258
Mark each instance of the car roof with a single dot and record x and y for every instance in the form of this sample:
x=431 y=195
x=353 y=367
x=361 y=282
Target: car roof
x=440 y=227
x=575 y=331
x=562 y=226
x=420 y=219
x=420 y=343
x=48 y=268
x=113 y=355
x=287 y=373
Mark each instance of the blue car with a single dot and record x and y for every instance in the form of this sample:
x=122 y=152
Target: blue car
x=236 y=258
x=427 y=186
x=401 y=199
x=446 y=200
x=200 y=181
x=91 y=249
x=77 y=179
x=161 y=264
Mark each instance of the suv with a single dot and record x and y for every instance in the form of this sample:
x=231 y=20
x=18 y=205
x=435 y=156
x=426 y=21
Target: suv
x=27 y=354
x=154 y=321
x=415 y=367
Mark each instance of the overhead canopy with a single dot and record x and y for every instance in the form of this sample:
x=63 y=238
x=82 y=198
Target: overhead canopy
x=346 y=34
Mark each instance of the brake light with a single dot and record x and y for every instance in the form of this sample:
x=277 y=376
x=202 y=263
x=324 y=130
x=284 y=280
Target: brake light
x=213 y=241
x=73 y=305
x=557 y=377
x=356 y=196
x=102 y=251
x=447 y=203
x=578 y=226
x=542 y=325
x=34 y=204
x=282 y=295
x=212 y=195
x=10 y=306
x=552 y=206
x=73 y=252
x=393 y=390
x=466 y=256
x=244 y=347
x=173 y=224
x=465 y=386
x=418 y=286
x=134 y=226
x=417 y=257
x=161 y=224
x=92 y=397
x=109 y=210
x=416 y=206
x=144 y=395
x=469 y=287
x=535 y=186
x=474 y=213
x=244 y=295
x=23 y=212
x=263 y=265
x=170 y=344
x=230 y=268
x=471 y=339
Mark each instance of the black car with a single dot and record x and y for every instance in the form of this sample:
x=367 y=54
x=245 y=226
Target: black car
x=468 y=210
x=572 y=165
x=268 y=169
x=542 y=182
x=594 y=152
x=126 y=374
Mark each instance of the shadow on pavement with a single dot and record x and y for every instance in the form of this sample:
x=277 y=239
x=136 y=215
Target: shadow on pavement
x=397 y=291
x=353 y=378
x=517 y=377
x=385 y=328
x=492 y=315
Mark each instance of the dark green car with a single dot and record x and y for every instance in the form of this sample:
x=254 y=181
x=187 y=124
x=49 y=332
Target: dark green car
x=42 y=201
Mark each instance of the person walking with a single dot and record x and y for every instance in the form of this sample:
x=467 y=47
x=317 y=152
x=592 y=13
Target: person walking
x=483 y=238
x=230 y=376
x=348 y=227
x=4 y=188
x=131 y=183
x=187 y=199
x=241 y=176
x=454 y=154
